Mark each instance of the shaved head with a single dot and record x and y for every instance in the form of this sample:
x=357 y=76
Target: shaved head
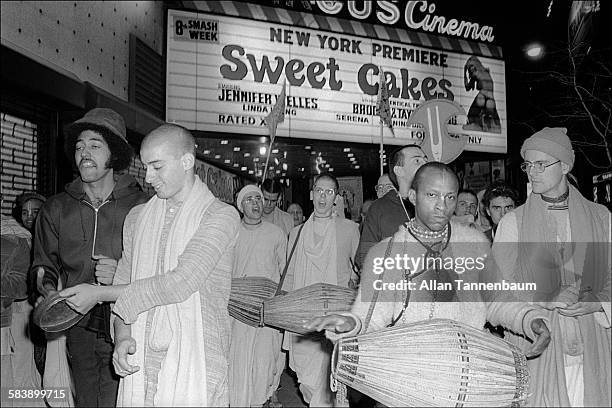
x=176 y=138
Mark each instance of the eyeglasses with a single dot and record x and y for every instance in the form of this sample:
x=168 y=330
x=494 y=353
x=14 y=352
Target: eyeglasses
x=383 y=186
x=327 y=191
x=251 y=200
x=539 y=166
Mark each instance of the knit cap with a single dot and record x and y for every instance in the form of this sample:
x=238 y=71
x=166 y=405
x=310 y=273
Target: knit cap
x=249 y=188
x=552 y=141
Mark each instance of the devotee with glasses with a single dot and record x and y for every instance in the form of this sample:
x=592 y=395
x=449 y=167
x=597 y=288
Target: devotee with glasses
x=322 y=254
x=561 y=240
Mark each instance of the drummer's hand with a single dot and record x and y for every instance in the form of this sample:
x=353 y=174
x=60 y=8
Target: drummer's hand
x=40 y=299
x=587 y=304
x=105 y=269
x=81 y=297
x=542 y=338
x=333 y=322
x=123 y=347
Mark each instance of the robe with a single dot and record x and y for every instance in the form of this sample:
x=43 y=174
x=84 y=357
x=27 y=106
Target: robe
x=323 y=255
x=575 y=368
x=256 y=361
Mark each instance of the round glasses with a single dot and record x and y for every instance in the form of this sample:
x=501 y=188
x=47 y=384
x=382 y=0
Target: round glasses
x=252 y=200
x=327 y=191
x=539 y=166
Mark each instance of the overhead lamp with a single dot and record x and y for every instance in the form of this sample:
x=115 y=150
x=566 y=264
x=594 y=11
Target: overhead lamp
x=534 y=50
x=263 y=150
x=259 y=173
x=217 y=156
x=346 y=149
x=243 y=168
x=356 y=167
x=236 y=165
x=206 y=151
x=278 y=171
x=255 y=159
x=274 y=151
x=276 y=161
x=285 y=166
x=226 y=161
x=237 y=148
x=224 y=142
x=307 y=147
x=350 y=155
x=313 y=153
x=263 y=139
x=331 y=169
x=251 y=172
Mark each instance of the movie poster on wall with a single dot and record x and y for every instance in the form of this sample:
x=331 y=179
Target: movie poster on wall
x=224 y=74
x=351 y=191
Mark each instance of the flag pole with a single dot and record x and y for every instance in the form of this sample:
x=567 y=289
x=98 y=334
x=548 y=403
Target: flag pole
x=265 y=174
x=381 y=147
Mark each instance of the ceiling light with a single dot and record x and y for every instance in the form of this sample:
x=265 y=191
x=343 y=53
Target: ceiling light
x=217 y=156
x=347 y=149
x=331 y=169
x=357 y=166
x=259 y=173
x=313 y=153
x=352 y=159
x=274 y=151
x=236 y=165
x=206 y=151
x=224 y=142
x=226 y=161
x=350 y=155
x=237 y=148
x=276 y=161
x=243 y=168
x=251 y=172
x=263 y=139
x=277 y=171
x=534 y=51
x=262 y=150
x=247 y=155
x=307 y=147
x=255 y=159
x=284 y=174
x=284 y=166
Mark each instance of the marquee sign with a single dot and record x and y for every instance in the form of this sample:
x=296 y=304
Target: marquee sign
x=225 y=73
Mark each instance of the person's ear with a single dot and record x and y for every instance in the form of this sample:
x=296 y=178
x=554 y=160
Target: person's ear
x=188 y=161
x=412 y=196
x=565 y=168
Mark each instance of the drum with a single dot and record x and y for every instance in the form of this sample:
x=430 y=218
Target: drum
x=437 y=362
x=292 y=310
x=246 y=299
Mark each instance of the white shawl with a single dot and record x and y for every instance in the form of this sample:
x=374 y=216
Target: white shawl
x=175 y=327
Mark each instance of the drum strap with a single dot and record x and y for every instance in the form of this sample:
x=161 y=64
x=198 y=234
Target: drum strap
x=375 y=294
x=282 y=278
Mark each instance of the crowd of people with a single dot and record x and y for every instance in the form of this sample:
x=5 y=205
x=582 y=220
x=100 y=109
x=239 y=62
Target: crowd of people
x=151 y=276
